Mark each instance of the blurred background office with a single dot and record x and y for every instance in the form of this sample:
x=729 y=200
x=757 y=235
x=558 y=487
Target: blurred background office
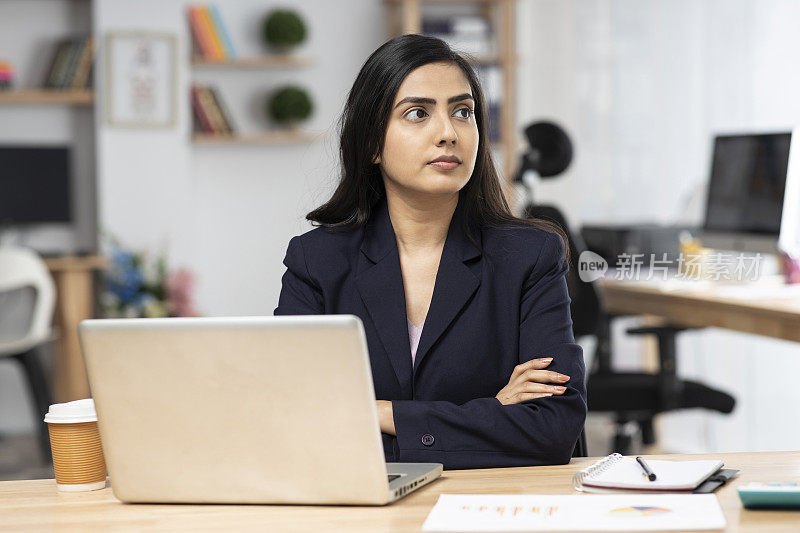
x=157 y=156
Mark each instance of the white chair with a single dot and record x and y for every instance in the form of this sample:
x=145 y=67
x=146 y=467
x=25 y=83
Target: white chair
x=25 y=325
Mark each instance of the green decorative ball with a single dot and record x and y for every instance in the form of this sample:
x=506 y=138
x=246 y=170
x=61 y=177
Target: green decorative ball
x=290 y=104
x=284 y=28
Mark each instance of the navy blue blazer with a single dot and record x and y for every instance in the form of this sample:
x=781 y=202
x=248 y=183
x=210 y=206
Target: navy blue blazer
x=489 y=312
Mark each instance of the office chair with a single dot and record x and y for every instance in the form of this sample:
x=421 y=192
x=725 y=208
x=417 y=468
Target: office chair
x=635 y=397
x=25 y=327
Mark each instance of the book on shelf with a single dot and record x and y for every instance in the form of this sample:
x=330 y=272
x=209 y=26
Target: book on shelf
x=491 y=80
x=201 y=122
x=84 y=66
x=222 y=31
x=470 y=34
x=210 y=114
x=72 y=64
x=210 y=106
x=222 y=111
x=210 y=38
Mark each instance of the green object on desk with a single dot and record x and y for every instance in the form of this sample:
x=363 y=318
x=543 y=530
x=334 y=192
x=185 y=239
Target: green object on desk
x=770 y=495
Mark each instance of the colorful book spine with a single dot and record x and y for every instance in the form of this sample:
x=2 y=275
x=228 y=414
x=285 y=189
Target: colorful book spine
x=57 y=51
x=223 y=111
x=200 y=115
x=216 y=45
x=63 y=64
x=76 y=51
x=207 y=99
x=71 y=65
x=197 y=47
x=57 y=66
x=201 y=31
x=222 y=32
x=84 y=65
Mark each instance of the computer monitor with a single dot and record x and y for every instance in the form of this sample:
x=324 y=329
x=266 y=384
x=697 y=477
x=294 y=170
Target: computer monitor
x=789 y=240
x=34 y=184
x=746 y=191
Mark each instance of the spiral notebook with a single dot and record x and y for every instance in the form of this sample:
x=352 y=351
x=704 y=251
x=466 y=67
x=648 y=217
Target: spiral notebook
x=620 y=472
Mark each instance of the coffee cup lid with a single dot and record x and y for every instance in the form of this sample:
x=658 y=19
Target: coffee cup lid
x=71 y=412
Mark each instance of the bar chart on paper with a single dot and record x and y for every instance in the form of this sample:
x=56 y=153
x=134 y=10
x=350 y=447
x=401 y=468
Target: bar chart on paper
x=578 y=512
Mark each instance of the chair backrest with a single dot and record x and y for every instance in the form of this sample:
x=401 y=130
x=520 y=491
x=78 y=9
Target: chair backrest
x=585 y=308
x=21 y=268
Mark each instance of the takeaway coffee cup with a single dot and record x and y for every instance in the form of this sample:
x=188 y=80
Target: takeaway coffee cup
x=75 y=440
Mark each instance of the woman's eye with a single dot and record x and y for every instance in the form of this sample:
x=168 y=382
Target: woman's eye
x=468 y=110
x=410 y=113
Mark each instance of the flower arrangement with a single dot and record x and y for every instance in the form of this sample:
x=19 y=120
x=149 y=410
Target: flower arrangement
x=137 y=287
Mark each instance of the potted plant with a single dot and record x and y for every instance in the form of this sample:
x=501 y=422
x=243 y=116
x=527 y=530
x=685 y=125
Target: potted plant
x=283 y=29
x=289 y=106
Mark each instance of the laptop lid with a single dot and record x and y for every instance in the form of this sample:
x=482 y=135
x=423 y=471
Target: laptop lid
x=240 y=410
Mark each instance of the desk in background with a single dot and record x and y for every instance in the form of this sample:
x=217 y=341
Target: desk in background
x=37 y=504
x=73 y=277
x=706 y=305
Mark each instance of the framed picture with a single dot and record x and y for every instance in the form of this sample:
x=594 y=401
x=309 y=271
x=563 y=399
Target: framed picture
x=141 y=79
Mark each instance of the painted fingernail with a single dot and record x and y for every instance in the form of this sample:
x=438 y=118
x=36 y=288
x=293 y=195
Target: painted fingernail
x=560 y=389
x=562 y=377
x=546 y=359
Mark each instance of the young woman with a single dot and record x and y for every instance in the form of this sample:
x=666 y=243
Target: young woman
x=465 y=307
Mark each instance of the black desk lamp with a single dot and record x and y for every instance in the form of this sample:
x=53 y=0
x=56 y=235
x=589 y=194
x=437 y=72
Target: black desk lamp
x=549 y=153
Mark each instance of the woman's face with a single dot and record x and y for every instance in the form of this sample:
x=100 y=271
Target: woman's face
x=432 y=116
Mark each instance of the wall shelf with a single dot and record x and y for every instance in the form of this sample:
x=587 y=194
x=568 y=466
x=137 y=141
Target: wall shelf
x=261 y=138
x=257 y=62
x=47 y=96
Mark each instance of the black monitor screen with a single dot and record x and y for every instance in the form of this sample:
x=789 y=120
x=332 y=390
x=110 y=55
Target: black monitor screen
x=34 y=184
x=748 y=178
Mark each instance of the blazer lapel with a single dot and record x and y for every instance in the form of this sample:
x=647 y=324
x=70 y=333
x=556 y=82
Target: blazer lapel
x=456 y=282
x=380 y=283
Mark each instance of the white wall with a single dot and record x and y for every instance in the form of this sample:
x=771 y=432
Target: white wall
x=228 y=212
x=642 y=87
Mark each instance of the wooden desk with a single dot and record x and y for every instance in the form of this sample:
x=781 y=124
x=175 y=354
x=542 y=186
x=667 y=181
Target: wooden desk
x=703 y=307
x=74 y=302
x=37 y=505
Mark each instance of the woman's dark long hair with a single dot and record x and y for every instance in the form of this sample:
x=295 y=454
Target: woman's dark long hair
x=363 y=127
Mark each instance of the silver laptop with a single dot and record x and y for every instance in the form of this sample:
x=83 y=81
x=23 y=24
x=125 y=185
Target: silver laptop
x=277 y=409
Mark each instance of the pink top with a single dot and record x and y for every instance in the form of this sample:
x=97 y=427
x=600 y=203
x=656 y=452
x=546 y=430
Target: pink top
x=414 y=333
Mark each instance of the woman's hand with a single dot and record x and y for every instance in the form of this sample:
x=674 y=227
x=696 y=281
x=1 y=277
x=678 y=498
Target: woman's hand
x=529 y=381
x=386 y=416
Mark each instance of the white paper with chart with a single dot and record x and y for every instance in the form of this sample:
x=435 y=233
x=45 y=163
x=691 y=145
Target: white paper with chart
x=577 y=512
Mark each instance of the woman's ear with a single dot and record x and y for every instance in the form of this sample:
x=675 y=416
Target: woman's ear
x=376 y=159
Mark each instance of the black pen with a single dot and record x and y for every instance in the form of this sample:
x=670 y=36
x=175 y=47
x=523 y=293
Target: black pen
x=649 y=473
